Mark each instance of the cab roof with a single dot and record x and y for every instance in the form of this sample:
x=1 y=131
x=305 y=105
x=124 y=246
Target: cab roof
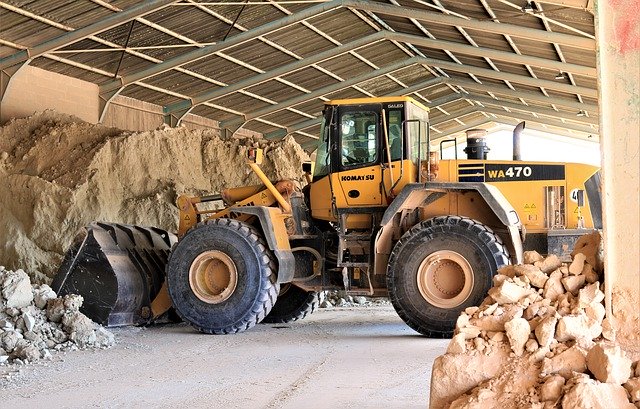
x=380 y=100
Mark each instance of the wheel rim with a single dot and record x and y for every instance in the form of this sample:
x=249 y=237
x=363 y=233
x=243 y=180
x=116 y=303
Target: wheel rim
x=445 y=279
x=213 y=277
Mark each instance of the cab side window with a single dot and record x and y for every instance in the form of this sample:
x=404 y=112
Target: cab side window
x=358 y=135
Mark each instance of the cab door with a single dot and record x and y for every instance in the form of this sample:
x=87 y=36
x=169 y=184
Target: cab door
x=357 y=157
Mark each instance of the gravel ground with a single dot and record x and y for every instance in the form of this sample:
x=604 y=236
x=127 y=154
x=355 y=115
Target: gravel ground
x=337 y=358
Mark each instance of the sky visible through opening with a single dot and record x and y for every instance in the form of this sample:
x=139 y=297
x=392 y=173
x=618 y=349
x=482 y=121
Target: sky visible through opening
x=535 y=146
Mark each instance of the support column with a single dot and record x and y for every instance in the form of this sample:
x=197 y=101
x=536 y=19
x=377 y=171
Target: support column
x=618 y=35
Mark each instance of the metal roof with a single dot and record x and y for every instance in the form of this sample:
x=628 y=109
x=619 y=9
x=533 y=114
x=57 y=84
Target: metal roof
x=269 y=65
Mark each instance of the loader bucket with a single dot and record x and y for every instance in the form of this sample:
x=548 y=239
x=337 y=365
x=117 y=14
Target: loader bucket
x=118 y=269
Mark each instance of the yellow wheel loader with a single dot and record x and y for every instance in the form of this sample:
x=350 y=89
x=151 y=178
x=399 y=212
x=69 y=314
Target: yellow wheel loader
x=381 y=215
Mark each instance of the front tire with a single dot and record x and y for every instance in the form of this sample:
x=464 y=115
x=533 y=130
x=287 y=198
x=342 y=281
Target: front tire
x=293 y=304
x=440 y=267
x=221 y=277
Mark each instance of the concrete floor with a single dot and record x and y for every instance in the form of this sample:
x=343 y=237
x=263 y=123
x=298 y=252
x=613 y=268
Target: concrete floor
x=340 y=358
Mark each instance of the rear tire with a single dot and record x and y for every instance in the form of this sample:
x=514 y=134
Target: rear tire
x=221 y=277
x=440 y=267
x=293 y=304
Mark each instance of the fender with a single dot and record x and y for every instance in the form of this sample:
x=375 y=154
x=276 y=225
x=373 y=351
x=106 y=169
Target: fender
x=415 y=195
x=275 y=233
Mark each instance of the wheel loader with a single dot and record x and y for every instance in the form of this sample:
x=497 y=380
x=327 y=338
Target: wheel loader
x=382 y=214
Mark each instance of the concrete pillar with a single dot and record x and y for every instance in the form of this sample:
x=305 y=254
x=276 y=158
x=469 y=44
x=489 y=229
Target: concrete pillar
x=618 y=39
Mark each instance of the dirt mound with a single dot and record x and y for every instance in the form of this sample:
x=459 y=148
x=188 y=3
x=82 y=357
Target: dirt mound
x=57 y=173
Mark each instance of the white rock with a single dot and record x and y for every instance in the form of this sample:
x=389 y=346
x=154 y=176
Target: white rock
x=16 y=289
x=518 y=333
x=573 y=283
x=530 y=257
x=531 y=345
x=577 y=327
x=457 y=345
x=545 y=331
x=4 y=359
x=590 y=294
x=549 y=264
x=609 y=364
x=470 y=331
x=577 y=265
x=536 y=277
x=29 y=321
x=508 y=292
x=553 y=288
x=462 y=321
x=551 y=389
x=594 y=395
x=565 y=363
x=43 y=294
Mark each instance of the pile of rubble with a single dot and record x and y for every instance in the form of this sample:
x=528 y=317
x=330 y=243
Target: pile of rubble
x=340 y=299
x=539 y=340
x=33 y=321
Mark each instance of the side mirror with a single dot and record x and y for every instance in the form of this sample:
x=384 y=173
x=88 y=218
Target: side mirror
x=306 y=167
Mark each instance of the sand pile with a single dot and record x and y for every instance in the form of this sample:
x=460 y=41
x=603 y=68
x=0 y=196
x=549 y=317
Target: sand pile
x=57 y=173
x=539 y=340
x=33 y=321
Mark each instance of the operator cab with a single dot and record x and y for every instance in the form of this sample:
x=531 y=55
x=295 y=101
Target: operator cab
x=369 y=148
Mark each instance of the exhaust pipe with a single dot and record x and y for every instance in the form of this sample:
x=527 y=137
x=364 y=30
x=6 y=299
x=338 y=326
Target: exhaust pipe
x=516 y=140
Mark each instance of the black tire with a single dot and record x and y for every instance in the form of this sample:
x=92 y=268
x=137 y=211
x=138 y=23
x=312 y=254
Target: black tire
x=440 y=267
x=221 y=277
x=293 y=304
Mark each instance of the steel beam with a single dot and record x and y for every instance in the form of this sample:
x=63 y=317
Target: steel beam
x=483 y=26
x=515 y=78
x=533 y=109
x=327 y=90
x=533 y=96
x=485 y=72
x=590 y=136
x=269 y=75
x=63 y=40
x=494 y=54
x=545 y=121
x=574 y=4
x=302 y=15
x=222 y=45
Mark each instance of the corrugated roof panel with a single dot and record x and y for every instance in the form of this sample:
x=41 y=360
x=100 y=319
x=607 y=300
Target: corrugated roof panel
x=342 y=25
x=149 y=95
x=382 y=53
x=260 y=55
x=512 y=68
x=25 y=31
x=275 y=91
x=346 y=66
x=220 y=69
x=381 y=86
x=192 y=22
x=310 y=78
x=286 y=117
x=65 y=69
x=301 y=40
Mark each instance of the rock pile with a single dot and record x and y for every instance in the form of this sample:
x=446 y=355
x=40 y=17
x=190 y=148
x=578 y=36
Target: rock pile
x=33 y=321
x=539 y=340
